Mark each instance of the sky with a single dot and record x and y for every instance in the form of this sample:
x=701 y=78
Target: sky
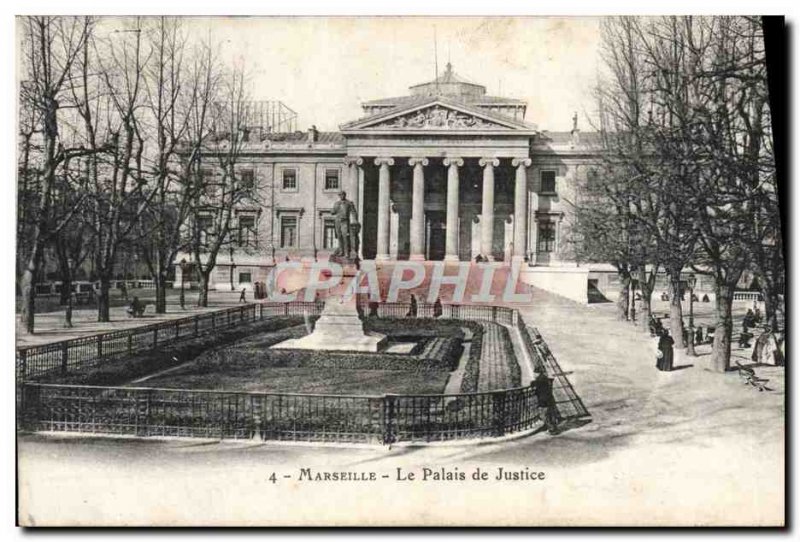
x=324 y=67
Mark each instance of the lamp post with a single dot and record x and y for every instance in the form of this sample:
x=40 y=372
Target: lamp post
x=691 y=281
x=183 y=281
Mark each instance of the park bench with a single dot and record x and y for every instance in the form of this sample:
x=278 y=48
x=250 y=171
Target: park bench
x=748 y=376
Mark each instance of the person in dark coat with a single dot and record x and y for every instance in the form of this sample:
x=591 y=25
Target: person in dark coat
x=664 y=352
x=656 y=327
x=437 y=308
x=546 y=403
x=412 y=311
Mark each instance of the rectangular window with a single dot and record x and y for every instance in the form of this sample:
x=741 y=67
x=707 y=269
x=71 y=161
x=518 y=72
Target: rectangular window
x=548 y=182
x=290 y=179
x=328 y=234
x=247 y=231
x=331 y=179
x=247 y=179
x=205 y=225
x=245 y=278
x=288 y=231
x=205 y=222
x=546 y=239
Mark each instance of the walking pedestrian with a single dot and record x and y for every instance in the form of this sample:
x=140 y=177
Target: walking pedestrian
x=664 y=351
x=243 y=296
x=412 y=311
x=545 y=402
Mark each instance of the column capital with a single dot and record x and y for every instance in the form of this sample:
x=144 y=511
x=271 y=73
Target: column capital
x=384 y=160
x=453 y=161
x=353 y=161
x=524 y=162
x=494 y=162
x=417 y=160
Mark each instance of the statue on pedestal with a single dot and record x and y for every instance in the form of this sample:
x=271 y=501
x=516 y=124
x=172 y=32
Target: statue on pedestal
x=347 y=230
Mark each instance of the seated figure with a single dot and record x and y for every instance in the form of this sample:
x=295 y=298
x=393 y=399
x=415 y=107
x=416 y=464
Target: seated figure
x=136 y=308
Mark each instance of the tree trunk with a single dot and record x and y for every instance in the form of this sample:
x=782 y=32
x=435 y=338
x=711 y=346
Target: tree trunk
x=771 y=304
x=68 y=312
x=675 y=310
x=160 y=280
x=202 y=298
x=66 y=290
x=647 y=293
x=104 y=300
x=622 y=300
x=721 y=353
x=28 y=297
x=66 y=297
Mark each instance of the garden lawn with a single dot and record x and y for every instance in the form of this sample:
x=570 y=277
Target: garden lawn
x=258 y=378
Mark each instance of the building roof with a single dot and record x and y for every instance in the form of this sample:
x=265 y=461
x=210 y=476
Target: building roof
x=586 y=140
x=449 y=76
x=472 y=100
x=451 y=101
x=302 y=137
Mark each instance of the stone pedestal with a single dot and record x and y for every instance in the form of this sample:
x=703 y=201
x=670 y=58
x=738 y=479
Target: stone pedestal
x=339 y=328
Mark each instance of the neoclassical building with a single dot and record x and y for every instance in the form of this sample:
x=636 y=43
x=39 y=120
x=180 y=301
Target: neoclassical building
x=444 y=173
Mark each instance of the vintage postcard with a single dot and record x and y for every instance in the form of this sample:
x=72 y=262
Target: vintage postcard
x=400 y=271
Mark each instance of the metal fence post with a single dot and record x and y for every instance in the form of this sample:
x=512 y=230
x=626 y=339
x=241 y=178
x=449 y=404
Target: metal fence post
x=499 y=413
x=64 y=357
x=196 y=325
x=23 y=358
x=388 y=419
x=130 y=343
x=99 y=346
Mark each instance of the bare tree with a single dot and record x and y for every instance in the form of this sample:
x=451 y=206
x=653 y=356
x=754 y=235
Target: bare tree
x=118 y=187
x=734 y=143
x=51 y=45
x=221 y=189
x=171 y=91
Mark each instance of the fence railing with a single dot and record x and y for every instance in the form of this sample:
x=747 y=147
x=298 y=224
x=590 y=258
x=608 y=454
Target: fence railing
x=568 y=402
x=383 y=419
x=64 y=356
x=747 y=296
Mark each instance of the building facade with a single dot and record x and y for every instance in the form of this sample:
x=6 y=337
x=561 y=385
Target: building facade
x=444 y=173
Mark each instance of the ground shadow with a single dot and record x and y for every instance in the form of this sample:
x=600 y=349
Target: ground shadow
x=682 y=367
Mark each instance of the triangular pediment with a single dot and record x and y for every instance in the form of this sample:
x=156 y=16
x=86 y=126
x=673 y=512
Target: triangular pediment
x=436 y=115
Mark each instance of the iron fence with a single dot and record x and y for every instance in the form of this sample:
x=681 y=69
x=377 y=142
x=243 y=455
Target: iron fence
x=568 y=402
x=65 y=356
x=383 y=419
x=386 y=419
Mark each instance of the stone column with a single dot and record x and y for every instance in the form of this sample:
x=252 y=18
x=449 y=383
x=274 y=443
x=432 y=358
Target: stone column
x=451 y=240
x=487 y=206
x=383 y=207
x=520 y=208
x=353 y=164
x=417 y=241
x=360 y=209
